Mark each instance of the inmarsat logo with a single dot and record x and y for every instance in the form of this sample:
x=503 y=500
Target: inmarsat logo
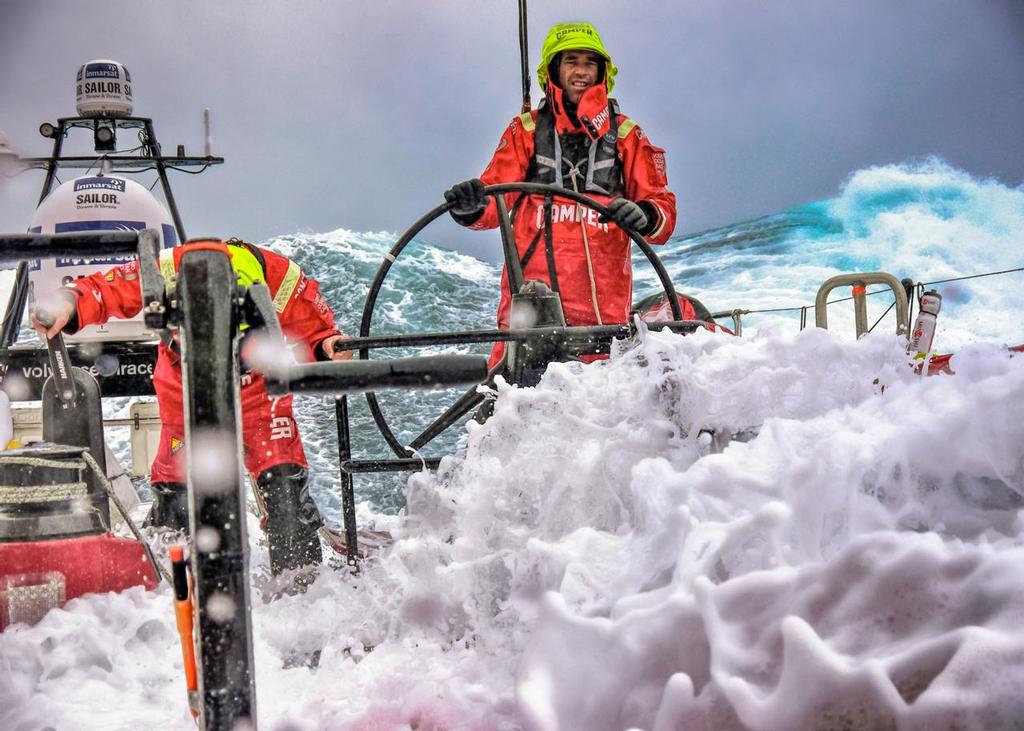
x=101 y=71
x=100 y=184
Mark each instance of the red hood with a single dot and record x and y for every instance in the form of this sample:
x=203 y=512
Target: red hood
x=593 y=106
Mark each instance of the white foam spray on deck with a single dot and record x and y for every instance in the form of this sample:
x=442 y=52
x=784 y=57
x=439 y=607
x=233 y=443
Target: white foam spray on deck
x=857 y=562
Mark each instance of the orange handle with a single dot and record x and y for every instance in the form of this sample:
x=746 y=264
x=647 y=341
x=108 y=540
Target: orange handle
x=183 y=613
x=183 y=618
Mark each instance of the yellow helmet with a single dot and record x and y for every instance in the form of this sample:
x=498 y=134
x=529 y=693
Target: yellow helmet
x=566 y=36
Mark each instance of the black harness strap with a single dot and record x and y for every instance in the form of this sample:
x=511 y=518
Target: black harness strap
x=599 y=166
x=528 y=254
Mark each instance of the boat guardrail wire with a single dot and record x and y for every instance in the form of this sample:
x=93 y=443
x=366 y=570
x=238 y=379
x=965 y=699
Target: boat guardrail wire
x=737 y=314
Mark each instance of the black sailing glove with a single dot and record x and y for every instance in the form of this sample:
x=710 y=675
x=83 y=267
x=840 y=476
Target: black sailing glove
x=627 y=214
x=468 y=201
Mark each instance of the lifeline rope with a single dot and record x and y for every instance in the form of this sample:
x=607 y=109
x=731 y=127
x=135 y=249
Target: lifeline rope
x=22 y=495
x=970 y=276
x=870 y=329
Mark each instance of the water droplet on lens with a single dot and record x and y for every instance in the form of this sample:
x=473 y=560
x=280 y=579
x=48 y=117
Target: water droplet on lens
x=106 y=364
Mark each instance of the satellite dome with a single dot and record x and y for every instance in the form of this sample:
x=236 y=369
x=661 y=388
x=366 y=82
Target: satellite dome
x=96 y=203
x=103 y=88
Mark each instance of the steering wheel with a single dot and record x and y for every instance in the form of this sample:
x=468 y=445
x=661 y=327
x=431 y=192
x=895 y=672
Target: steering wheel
x=514 y=269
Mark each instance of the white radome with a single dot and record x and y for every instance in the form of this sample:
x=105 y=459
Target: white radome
x=103 y=88
x=96 y=203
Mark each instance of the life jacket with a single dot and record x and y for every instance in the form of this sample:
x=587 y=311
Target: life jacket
x=247 y=261
x=557 y=159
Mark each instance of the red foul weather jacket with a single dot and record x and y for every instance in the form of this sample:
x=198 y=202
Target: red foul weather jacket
x=268 y=426
x=596 y=288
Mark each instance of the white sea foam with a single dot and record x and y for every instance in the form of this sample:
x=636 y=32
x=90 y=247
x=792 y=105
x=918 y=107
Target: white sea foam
x=933 y=223
x=856 y=561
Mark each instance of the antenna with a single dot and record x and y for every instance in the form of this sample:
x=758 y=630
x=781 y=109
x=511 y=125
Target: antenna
x=206 y=131
x=524 y=56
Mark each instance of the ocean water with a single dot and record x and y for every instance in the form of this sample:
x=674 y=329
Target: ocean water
x=589 y=559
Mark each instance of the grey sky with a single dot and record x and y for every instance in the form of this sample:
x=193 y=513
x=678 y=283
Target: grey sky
x=354 y=114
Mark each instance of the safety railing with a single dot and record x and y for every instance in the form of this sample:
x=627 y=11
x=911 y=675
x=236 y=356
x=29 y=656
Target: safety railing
x=859 y=282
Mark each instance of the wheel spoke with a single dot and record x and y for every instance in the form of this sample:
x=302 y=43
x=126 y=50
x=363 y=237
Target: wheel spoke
x=457 y=410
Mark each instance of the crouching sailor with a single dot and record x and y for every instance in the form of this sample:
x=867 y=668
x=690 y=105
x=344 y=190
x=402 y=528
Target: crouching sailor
x=273 y=450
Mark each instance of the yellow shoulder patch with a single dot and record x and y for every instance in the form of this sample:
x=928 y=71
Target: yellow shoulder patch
x=625 y=127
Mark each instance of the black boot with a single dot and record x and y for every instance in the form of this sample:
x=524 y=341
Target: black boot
x=170 y=506
x=293 y=519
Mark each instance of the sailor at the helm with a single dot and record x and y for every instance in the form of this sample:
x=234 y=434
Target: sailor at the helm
x=576 y=139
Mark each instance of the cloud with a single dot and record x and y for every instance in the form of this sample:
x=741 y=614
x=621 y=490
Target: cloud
x=359 y=115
